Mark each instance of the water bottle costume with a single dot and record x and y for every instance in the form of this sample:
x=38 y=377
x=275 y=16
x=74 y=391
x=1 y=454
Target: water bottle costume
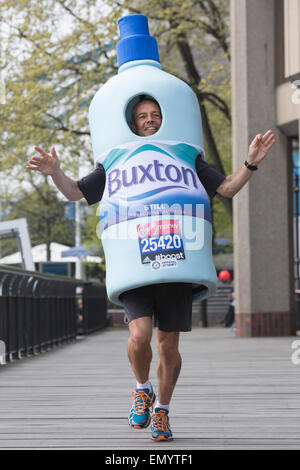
x=155 y=219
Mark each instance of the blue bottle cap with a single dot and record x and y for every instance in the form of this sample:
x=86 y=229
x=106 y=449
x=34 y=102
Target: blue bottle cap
x=136 y=42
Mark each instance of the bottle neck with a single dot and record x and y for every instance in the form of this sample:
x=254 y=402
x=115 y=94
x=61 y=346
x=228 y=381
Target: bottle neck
x=135 y=63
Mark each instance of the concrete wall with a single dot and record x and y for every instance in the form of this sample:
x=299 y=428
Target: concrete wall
x=263 y=254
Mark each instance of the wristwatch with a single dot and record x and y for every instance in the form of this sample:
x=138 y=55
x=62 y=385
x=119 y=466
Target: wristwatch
x=250 y=167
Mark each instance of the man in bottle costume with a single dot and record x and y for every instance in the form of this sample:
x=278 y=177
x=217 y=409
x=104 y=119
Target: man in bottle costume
x=170 y=303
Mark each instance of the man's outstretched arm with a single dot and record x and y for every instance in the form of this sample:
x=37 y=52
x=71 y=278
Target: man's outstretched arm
x=258 y=150
x=49 y=165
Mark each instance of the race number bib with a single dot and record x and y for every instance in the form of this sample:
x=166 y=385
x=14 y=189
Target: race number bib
x=161 y=243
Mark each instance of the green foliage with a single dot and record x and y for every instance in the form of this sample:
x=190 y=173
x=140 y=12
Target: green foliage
x=45 y=216
x=90 y=235
x=51 y=76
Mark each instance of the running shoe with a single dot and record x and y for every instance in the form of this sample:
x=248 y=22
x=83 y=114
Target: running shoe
x=160 y=426
x=142 y=406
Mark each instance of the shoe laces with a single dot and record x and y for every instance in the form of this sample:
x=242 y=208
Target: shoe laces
x=160 y=421
x=142 y=401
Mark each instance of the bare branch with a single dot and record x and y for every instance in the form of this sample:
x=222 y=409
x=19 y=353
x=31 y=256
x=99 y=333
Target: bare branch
x=218 y=102
x=68 y=9
x=216 y=27
x=25 y=36
x=61 y=127
x=213 y=151
x=136 y=10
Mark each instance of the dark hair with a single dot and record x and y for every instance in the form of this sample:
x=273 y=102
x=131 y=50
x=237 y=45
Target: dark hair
x=146 y=98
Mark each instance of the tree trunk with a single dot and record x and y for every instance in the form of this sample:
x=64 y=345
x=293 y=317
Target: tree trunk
x=195 y=79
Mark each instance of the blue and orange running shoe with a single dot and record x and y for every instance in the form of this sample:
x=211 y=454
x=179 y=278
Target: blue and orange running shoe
x=160 y=426
x=142 y=406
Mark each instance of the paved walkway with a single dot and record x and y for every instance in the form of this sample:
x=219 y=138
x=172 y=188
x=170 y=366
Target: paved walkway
x=233 y=393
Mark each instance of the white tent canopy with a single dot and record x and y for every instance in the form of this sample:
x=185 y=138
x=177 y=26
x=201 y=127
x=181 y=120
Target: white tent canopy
x=39 y=255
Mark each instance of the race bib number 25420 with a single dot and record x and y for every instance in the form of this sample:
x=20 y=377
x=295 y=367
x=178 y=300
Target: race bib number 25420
x=160 y=241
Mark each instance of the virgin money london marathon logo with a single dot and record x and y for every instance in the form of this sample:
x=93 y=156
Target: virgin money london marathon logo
x=159 y=241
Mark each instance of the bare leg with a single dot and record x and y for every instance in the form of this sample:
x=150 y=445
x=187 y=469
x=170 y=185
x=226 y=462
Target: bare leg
x=169 y=364
x=139 y=348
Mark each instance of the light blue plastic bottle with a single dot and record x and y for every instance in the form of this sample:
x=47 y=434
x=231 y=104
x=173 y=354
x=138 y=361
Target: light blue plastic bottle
x=145 y=176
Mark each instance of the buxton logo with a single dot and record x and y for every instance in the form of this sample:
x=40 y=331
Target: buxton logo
x=152 y=173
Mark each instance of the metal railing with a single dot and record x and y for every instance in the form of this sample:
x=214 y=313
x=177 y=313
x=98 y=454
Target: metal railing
x=40 y=311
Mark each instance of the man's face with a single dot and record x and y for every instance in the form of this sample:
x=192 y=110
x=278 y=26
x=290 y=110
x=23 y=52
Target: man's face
x=146 y=118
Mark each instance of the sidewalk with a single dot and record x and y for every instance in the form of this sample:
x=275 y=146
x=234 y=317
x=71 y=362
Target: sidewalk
x=232 y=393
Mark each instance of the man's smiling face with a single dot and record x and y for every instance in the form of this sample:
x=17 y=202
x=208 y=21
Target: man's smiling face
x=146 y=118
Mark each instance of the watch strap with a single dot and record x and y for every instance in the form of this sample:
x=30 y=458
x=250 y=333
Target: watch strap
x=250 y=167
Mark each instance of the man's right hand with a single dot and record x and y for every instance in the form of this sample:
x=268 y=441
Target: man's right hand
x=49 y=165
x=46 y=164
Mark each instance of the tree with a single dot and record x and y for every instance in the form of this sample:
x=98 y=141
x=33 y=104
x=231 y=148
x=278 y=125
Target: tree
x=90 y=233
x=45 y=216
x=51 y=76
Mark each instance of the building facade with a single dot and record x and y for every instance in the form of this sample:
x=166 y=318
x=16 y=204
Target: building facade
x=265 y=45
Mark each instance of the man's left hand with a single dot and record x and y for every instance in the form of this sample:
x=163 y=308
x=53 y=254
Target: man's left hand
x=259 y=147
